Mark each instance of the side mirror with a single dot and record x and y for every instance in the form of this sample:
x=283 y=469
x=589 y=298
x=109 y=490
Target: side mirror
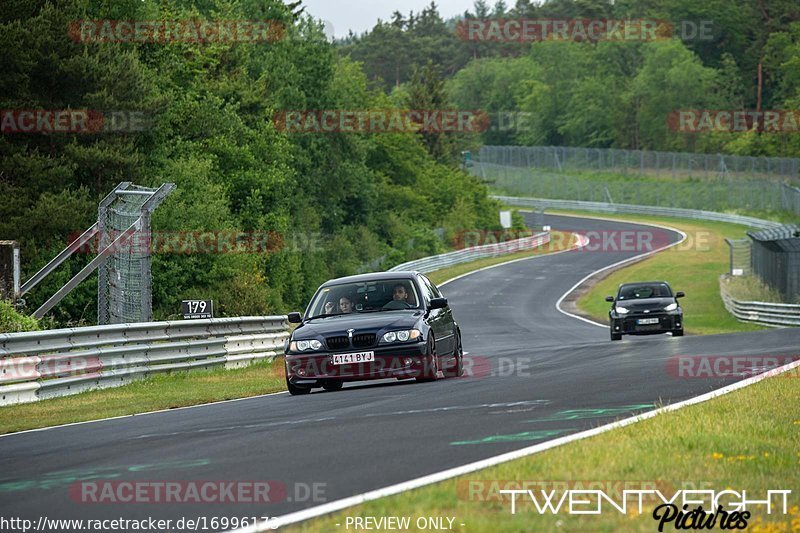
x=610 y=299
x=295 y=318
x=438 y=303
x=679 y=294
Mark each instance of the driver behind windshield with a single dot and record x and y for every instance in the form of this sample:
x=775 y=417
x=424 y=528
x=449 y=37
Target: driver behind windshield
x=399 y=293
x=399 y=298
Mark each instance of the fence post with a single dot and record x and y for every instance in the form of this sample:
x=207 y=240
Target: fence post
x=9 y=270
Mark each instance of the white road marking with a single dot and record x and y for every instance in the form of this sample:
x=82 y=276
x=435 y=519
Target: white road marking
x=618 y=263
x=344 y=503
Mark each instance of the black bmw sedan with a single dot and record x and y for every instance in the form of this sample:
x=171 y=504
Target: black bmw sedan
x=373 y=326
x=645 y=308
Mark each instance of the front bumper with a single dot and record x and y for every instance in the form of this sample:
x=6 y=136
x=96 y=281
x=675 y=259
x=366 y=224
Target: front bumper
x=629 y=324
x=401 y=361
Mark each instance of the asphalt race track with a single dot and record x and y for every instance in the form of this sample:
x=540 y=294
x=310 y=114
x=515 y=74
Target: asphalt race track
x=529 y=364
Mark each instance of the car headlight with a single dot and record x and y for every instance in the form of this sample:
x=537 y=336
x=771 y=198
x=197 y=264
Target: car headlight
x=302 y=346
x=622 y=310
x=401 y=336
x=671 y=307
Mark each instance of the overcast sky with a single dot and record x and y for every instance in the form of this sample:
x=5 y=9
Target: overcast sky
x=361 y=15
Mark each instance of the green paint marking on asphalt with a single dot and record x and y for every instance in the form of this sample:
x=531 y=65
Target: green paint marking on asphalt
x=516 y=437
x=65 y=477
x=580 y=414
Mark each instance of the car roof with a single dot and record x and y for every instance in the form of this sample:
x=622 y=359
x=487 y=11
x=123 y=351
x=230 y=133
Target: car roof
x=373 y=276
x=643 y=283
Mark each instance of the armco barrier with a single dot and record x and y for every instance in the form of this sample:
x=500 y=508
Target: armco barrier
x=545 y=203
x=768 y=314
x=47 y=364
x=436 y=262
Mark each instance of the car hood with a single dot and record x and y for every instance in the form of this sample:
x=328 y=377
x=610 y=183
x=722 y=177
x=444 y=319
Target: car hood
x=648 y=304
x=365 y=322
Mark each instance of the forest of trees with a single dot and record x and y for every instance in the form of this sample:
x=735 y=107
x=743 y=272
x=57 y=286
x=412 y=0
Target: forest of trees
x=366 y=201
x=605 y=94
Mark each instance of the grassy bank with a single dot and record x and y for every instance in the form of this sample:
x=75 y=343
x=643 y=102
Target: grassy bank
x=735 y=450
x=693 y=267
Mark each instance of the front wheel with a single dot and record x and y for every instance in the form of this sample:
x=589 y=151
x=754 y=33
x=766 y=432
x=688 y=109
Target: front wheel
x=295 y=390
x=431 y=370
x=458 y=369
x=333 y=386
x=616 y=336
x=677 y=332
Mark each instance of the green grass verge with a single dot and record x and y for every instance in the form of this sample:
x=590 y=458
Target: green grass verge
x=750 y=288
x=181 y=389
x=559 y=240
x=693 y=267
x=744 y=440
x=164 y=391
x=753 y=197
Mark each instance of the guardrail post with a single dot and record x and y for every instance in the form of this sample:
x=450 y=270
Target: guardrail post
x=9 y=270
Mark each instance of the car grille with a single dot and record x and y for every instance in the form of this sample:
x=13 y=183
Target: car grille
x=364 y=340
x=337 y=343
x=665 y=323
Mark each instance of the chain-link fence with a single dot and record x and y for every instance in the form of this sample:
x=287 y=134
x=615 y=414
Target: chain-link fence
x=641 y=162
x=124 y=291
x=776 y=259
x=529 y=171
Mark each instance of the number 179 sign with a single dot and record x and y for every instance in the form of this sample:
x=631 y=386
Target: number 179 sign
x=197 y=309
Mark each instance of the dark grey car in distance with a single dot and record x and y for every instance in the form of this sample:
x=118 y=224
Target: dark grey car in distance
x=645 y=308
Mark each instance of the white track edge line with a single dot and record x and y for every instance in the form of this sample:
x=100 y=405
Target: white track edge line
x=618 y=263
x=140 y=414
x=579 y=244
x=260 y=395
x=344 y=503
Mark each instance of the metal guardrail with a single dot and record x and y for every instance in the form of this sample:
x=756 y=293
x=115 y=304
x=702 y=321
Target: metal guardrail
x=545 y=203
x=768 y=314
x=48 y=364
x=436 y=262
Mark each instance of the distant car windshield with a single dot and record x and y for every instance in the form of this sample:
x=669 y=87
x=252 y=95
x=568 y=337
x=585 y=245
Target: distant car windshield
x=645 y=290
x=365 y=297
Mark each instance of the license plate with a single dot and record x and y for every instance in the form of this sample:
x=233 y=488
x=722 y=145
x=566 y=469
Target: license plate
x=350 y=358
x=644 y=321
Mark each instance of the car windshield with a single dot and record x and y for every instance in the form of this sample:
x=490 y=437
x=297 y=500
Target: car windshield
x=645 y=290
x=365 y=297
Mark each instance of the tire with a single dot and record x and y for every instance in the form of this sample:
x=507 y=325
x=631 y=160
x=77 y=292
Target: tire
x=458 y=370
x=616 y=336
x=333 y=386
x=294 y=390
x=677 y=332
x=431 y=370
